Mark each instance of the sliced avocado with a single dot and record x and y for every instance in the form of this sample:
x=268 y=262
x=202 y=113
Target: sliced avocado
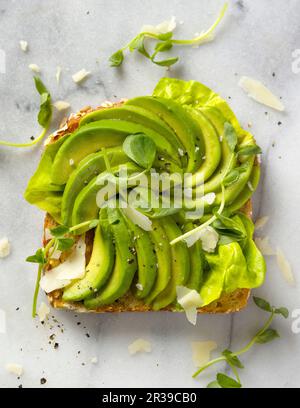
x=134 y=114
x=86 y=206
x=125 y=263
x=146 y=258
x=94 y=136
x=181 y=123
x=163 y=253
x=196 y=262
x=88 y=168
x=180 y=266
x=100 y=266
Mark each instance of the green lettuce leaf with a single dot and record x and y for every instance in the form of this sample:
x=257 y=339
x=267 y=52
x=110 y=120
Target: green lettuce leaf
x=195 y=95
x=40 y=190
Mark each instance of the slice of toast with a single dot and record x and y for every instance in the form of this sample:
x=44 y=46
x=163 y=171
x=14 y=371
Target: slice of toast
x=227 y=303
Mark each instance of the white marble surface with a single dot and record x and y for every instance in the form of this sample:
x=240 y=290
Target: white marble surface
x=257 y=38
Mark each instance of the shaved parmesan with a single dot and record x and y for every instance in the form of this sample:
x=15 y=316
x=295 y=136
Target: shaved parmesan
x=201 y=351
x=34 y=68
x=139 y=346
x=94 y=360
x=208 y=236
x=209 y=198
x=285 y=267
x=43 y=312
x=58 y=74
x=189 y=300
x=161 y=28
x=72 y=268
x=264 y=245
x=4 y=247
x=24 y=45
x=260 y=93
x=261 y=222
x=139 y=286
x=2 y=321
x=138 y=218
x=80 y=76
x=16 y=369
x=61 y=105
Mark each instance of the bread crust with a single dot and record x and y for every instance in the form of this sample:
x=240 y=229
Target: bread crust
x=227 y=303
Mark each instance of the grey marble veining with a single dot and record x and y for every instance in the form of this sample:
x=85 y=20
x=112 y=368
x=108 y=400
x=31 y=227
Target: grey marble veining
x=256 y=39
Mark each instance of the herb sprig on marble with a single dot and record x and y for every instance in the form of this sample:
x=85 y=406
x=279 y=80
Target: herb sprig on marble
x=262 y=336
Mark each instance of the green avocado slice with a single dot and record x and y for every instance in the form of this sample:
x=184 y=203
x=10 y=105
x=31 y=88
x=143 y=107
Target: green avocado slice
x=88 y=168
x=163 y=253
x=146 y=258
x=86 y=206
x=181 y=123
x=134 y=114
x=180 y=266
x=100 y=266
x=94 y=136
x=196 y=262
x=125 y=263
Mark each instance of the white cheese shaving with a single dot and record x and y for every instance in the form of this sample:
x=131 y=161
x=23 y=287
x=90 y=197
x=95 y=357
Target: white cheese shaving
x=34 y=68
x=138 y=218
x=260 y=93
x=24 y=45
x=71 y=162
x=285 y=267
x=261 y=222
x=61 y=105
x=139 y=286
x=2 y=321
x=161 y=28
x=180 y=152
x=208 y=236
x=56 y=254
x=16 y=369
x=43 y=312
x=139 y=346
x=201 y=351
x=4 y=247
x=209 y=198
x=189 y=300
x=264 y=246
x=80 y=76
x=48 y=234
x=94 y=360
x=72 y=268
x=58 y=74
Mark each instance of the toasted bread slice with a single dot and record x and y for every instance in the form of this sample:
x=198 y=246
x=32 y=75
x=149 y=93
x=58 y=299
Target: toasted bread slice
x=227 y=303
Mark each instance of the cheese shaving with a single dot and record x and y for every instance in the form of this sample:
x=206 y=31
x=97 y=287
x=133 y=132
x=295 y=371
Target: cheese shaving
x=43 y=312
x=138 y=218
x=139 y=346
x=189 y=300
x=260 y=93
x=24 y=45
x=264 y=246
x=61 y=105
x=261 y=222
x=201 y=351
x=161 y=28
x=80 y=76
x=285 y=267
x=208 y=236
x=35 y=68
x=58 y=74
x=16 y=369
x=4 y=247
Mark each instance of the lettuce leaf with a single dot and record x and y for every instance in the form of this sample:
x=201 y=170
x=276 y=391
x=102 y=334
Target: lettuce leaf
x=40 y=190
x=197 y=95
x=233 y=266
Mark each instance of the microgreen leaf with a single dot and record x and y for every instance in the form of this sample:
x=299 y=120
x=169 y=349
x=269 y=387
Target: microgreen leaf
x=38 y=257
x=59 y=231
x=262 y=304
x=232 y=359
x=93 y=224
x=163 y=46
x=213 y=384
x=249 y=150
x=141 y=149
x=230 y=136
x=45 y=113
x=116 y=59
x=165 y=36
x=227 y=382
x=138 y=43
x=231 y=177
x=40 y=87
x=267 y=336
x=283 y=311
x=63 y=244
x=167 y=62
